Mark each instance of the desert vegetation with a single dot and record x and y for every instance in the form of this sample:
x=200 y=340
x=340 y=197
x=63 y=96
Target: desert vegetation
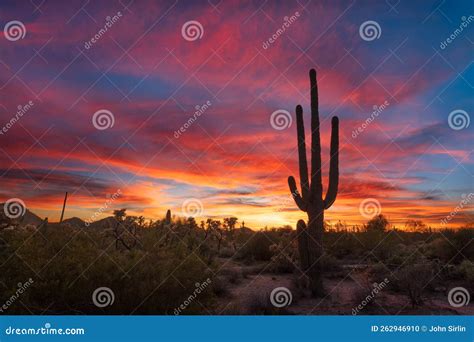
x=153 y=267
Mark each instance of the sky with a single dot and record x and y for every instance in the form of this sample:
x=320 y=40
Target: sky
x=399 y=75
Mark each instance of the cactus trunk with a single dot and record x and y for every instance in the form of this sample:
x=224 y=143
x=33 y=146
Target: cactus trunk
x=310 y=236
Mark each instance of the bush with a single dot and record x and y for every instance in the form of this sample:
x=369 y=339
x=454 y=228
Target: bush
x=413 y=280
x=68 y=264
x=259 y=304
x=466 y=269
x=220 y=287
x=257 y=248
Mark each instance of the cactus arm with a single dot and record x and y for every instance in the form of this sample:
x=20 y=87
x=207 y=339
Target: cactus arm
x=333 y=165
x=303 y=164
x=316 y=181
x=296 y=195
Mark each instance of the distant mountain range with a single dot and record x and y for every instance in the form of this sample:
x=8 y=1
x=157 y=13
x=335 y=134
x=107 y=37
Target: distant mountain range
x=30 y=218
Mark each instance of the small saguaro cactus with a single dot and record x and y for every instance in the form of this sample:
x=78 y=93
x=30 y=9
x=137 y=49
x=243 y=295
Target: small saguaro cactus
x=311 y=200
x=168 y=217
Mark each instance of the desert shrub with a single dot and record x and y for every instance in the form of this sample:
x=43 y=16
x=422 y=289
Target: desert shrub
x=284 y=257
x=220 y=286
x=463 y=240
x=68 y=264
x=379 y=272
x=404 y=254
x=440 y=248
x=232 y=275
x=226 y=252
x=362 y=296
x=259 y=304
x=466 y=268
x=447 y=244
x=281 y=263
x=257 y=248
x=466 y=271
x=330 y=263
x=377 y=224
x=414 y=280
x=341 y=244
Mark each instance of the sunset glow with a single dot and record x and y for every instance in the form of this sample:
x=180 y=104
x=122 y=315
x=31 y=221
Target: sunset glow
x=393 y=96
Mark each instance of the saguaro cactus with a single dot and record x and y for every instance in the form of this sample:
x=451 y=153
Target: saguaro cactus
x=311 y=198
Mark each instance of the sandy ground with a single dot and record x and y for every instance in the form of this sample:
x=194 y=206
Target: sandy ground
x=250 y=294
